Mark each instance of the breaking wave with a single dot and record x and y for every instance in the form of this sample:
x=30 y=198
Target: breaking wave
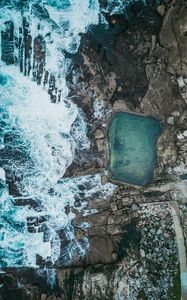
x=40 y=129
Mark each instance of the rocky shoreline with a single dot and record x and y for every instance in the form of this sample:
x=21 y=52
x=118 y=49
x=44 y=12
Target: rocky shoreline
x=132 y=254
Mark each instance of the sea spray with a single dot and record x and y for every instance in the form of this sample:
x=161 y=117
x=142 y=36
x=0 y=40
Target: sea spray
x=39 y=149
x=38 y=138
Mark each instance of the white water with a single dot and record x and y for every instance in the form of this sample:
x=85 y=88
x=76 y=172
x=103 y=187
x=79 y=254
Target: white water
x=39 y=138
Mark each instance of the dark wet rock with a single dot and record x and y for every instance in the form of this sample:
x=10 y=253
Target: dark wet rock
x=100 y=250
x=39 y=58
x=27 y=293
x=153 y=194
x=122 y=53
x=7 y=44
x=40 y=11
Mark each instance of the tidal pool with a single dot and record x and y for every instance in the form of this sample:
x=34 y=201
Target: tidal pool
x=133 y=147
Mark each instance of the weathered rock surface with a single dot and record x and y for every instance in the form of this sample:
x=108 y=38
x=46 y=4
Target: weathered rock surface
x=173 y=37
x=134 y=273
x=162 y=96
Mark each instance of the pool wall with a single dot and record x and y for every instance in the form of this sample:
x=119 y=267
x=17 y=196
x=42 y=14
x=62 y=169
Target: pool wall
x=152 y=173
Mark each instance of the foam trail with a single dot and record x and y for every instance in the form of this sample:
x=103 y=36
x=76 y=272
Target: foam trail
x=121 y=6
x=38 y=138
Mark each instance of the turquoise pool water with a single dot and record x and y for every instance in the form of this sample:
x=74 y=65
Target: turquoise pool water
x=132 y=147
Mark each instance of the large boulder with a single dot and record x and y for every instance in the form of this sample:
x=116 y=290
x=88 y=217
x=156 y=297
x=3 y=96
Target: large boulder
x=162 y=96
x=173 y=36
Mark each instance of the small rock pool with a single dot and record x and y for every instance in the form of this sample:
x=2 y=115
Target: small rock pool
x=132 y=143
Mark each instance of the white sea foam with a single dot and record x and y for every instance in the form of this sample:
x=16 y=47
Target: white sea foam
x=44 y=138
x=119 y=6
x=44 y=131
x=2 y=174
x=100 y=109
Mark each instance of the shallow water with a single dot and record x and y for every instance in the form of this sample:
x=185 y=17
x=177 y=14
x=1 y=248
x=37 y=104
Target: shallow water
x=132 y=147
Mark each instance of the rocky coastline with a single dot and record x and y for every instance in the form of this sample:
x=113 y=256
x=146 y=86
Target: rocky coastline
x=139 y=66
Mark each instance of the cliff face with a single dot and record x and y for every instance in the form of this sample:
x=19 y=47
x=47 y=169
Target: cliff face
x=138 y=65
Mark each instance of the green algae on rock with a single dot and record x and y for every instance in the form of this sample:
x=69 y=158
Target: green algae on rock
x=132 y=147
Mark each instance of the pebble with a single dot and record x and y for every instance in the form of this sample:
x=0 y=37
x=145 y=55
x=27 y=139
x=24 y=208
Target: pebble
x=113 y=206
x=161 y=9
x=181 y=82
x=175 y=113
x=110 y=220
x=99 y=134
x=120 y=105
x=171 y=120
x=184 y=133
x=142 y=252
x=159 y=231
x=114 y=256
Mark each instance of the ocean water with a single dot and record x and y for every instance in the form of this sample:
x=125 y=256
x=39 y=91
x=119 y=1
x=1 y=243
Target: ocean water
x=38 y=138
x=122 y=6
